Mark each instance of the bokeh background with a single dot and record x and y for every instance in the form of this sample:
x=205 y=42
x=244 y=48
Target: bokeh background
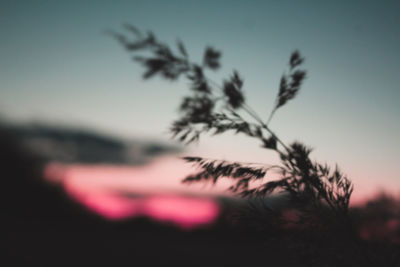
x=59 y=67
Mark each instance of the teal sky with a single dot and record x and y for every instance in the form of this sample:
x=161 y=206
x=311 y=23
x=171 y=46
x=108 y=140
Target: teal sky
x=58 y=66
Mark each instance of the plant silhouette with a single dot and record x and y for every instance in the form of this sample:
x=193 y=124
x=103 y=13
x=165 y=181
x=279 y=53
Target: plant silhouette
x=312 y=187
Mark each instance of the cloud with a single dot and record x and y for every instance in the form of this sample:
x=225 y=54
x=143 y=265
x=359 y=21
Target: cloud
x=74 y=145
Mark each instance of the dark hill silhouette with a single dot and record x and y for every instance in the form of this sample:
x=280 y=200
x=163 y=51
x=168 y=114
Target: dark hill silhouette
x=26 y=198
x=42 y=227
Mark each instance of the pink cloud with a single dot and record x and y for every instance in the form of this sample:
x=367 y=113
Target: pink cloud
x=183 y=211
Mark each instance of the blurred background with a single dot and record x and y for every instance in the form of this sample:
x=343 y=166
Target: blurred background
x=60 y=69
x=78 y=110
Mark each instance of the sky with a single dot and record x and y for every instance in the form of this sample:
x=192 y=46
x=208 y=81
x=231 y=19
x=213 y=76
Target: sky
x=59 y=66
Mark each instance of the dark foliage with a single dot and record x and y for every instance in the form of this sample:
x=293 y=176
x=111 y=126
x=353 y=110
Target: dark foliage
x=211 y=58
x=216 y=109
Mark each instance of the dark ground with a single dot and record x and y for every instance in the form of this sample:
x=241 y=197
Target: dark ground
x=144 y=243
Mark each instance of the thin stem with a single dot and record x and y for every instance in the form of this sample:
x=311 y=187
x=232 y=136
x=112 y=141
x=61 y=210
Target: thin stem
x=264 y=126
x=255 y=116
x=271 y=115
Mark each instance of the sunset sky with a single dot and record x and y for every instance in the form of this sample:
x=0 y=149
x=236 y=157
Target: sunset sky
x=58 y=66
